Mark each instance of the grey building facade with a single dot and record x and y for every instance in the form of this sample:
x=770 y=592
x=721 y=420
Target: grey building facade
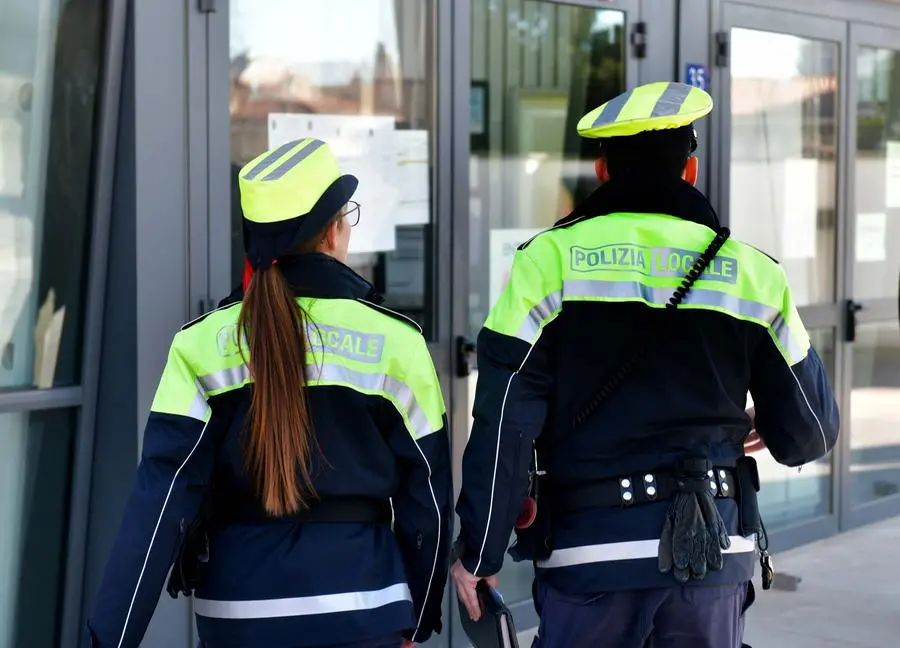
x=122 y=124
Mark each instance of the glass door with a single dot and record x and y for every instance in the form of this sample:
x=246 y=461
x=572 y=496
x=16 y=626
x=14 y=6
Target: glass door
x=536 y=68
x=872 y=333
x=368 y=89
x=778 y=110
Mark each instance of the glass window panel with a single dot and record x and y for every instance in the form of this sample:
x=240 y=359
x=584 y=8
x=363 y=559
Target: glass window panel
x=536 y=69
x=35 y=473
x=788 y=496
x=49 y=77
x=783 y=151
x=877 y=172
x=874 y=423
x=365 y=88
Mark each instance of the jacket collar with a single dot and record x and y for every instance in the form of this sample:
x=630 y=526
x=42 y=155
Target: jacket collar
x=319 y=275
x=673 y=197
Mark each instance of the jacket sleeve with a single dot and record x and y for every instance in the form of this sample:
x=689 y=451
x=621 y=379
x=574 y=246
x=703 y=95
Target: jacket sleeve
x=796 y=413
x=172 y=478
x=422 y=502
x=514 y=387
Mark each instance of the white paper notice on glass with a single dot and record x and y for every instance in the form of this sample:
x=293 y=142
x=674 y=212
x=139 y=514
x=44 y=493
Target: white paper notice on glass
x=412 y=177
x=892 y=174
x=871 y=237
x=503 y=244
x=801 y=207
x=364 y=147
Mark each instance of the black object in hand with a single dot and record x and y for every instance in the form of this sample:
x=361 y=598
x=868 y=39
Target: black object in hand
x=495 y=628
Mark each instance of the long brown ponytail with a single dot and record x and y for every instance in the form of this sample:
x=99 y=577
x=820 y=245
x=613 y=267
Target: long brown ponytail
x=281 y=438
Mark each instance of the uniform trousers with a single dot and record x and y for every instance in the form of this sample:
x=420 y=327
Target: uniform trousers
x=672 y=617
x=389 y=641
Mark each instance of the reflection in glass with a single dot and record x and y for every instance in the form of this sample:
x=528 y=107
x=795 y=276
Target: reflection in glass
x=49 y=77
x=788 y=496
x=536 y=69
x=530 y=167
x=783 y=150
x=35 y=464
x=875 y=410
x=366 y=89
x=877 y=172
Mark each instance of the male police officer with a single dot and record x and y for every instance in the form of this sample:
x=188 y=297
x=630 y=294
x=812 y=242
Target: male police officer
x=613 y=378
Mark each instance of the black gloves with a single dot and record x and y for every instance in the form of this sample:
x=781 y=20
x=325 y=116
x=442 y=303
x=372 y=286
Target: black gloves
x=694 y=534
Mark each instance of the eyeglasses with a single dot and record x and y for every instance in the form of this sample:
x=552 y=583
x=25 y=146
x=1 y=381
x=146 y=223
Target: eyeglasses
x=352 y=213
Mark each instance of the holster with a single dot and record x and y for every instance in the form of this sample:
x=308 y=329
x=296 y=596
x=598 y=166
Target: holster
x=747 y=500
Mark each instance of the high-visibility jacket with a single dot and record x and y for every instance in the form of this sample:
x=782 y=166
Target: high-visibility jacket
x=575 y=296
x=379 y=419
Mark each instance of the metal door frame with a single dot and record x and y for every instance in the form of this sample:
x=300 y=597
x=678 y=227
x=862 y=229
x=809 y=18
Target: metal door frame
x=828 y=315
x=879 y=310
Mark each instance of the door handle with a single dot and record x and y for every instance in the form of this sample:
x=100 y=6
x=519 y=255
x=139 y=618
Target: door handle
x=466 y=356
x=851 y=308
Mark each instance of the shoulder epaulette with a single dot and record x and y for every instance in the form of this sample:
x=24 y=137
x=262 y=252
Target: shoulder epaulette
x=222 y=306
x=397 y=316
x=236 y=295
x=561 y=224
x=773 y=259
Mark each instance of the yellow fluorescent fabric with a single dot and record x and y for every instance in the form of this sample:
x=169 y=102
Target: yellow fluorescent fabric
x=644 y=258
x=654 y=106
x=286 y=182
x=349 y=345
x=179 y=392
x=532 y=296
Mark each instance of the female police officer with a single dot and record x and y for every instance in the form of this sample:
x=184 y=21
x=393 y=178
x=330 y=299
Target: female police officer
x=296 y=419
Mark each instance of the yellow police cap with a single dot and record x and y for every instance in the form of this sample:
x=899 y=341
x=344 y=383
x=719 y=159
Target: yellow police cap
x=288 y=181
x=654 y=106
x=288 y=194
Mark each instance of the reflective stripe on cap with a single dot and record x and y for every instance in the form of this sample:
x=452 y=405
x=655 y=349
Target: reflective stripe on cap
x=655 y=106
x=287 y=182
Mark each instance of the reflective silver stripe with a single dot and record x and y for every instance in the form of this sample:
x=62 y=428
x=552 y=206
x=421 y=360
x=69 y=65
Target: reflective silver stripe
x=298 y=157
x=377 y=382
x=611 y=112
x=788 y=343
x=581 y=288
x=303 y=605
x=671 y=100
x=636 y=550
x=370 y=382
x=587 y=288
x=270 y=159
x=199 y=407
x=538 y=315
x=224 y=378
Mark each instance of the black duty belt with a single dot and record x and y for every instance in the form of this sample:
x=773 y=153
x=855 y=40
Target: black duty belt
x=362 y=510
x=629 y=490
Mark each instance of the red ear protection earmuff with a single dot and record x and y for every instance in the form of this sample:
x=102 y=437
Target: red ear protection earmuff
x=601 y=171
x=248 y=275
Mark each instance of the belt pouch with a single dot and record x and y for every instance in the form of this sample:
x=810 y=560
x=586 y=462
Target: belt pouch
x=748 y=486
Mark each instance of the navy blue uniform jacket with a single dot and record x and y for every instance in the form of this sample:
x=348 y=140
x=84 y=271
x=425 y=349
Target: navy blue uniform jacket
x=279 y=583
x=687 y=398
